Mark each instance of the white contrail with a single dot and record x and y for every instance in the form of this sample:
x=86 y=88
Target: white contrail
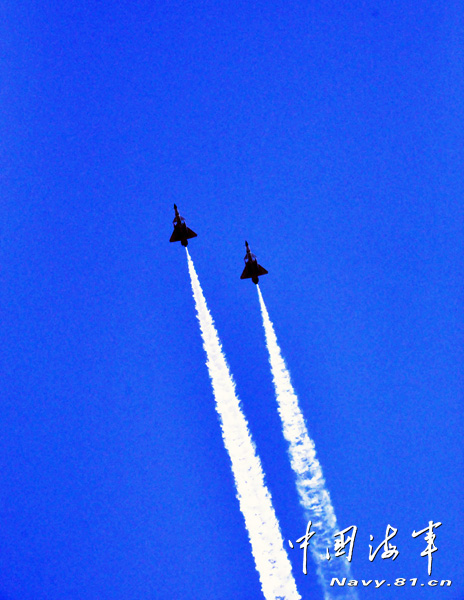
x=310 y=483
x=271 y=560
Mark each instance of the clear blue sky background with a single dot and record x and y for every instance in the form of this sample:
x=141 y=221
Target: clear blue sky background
x=327 y=134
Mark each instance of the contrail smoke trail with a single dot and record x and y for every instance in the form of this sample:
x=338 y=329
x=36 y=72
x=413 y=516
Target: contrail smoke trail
x=271 y=560
x=310 y=483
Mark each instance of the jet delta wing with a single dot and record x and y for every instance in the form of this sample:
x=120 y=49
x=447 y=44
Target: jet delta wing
x=177 y=235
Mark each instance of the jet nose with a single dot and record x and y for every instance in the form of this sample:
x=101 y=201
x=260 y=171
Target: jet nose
x=175 y=207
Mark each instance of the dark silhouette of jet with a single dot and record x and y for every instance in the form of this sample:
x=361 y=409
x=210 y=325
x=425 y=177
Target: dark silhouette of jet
x=252 y=269
x=181 y=232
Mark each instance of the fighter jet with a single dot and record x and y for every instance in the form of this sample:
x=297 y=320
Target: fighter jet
x=252 y=269
x=181 y=232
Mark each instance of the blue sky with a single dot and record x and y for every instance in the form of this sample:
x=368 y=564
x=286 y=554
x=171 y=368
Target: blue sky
x=329 y=136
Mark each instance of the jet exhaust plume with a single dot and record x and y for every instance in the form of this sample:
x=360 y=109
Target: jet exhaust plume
x=271 y=559
x=310 y=483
